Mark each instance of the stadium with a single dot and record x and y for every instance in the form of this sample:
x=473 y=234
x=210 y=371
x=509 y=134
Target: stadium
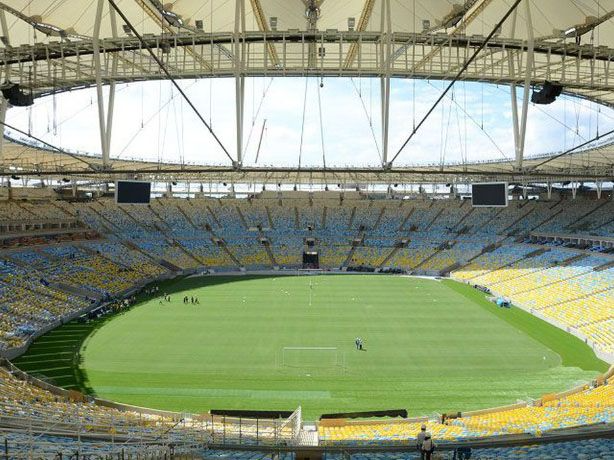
x=307 y=229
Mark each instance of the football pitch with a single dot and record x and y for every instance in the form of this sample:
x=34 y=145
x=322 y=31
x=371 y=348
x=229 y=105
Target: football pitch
x=277 y=342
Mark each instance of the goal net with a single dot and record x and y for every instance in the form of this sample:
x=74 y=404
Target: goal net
x=312 y=357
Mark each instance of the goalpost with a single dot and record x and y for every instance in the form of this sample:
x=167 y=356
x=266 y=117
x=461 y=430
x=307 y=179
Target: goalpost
x=312 y=358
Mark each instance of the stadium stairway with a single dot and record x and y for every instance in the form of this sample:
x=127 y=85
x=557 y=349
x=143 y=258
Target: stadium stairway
x=86 y=248
x=185 y=251
x=356 y=242
x=516 y=221
x=348 y=260
x=584 y=296
x=131 y=218
x=430 y=224
x=604 y=267
x=137 y=248
x=187 y=217
x=80 y=291
x=63 y=209
x=440 y=248
x=266 y=243
x=447 y=270
x=485 y=224
x=556 y=281
x=110 y=226
x=379 y=218
x=548 y=219
x=522 y=274
x=165 y=227
x=268 y=216
x=267 y=248
x=297 y=219
x=604 y=225
x=499 y=267
x=392 y=253
x=226 y=249
x=242 y=217
x=458 y=227
x=584 y=216
x=352 y=217
x=75 y=289
x=407 y=217
x=214 y=217
x=26 y=210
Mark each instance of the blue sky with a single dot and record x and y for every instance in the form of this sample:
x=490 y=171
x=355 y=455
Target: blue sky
x=472 y=123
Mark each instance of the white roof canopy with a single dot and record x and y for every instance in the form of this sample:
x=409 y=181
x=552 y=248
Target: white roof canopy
x=53 y=45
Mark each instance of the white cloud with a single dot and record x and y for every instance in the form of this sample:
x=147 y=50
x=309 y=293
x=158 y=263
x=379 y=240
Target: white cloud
x=153 y=122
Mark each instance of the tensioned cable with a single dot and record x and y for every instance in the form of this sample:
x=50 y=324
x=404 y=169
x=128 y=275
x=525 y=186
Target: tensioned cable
x=564 y=122
x=300 y=149
x=169 y=76
x=455 y=79
x=321 y=127
x=54 y=147
x=146 y=122
x=255 y=116
x=444 y=146
x=369 y=119
x=567 y=152
x=477 y=124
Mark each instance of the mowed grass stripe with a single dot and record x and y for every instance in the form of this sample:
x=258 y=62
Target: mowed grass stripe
x=431 y=346
x=56 y=360
x=572 y=350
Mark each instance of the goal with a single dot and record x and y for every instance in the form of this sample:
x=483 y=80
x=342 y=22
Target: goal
x=312 y=358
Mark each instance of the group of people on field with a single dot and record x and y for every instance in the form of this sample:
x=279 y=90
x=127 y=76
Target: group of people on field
x=165 y=298
x=151 y=290
x=193 y=300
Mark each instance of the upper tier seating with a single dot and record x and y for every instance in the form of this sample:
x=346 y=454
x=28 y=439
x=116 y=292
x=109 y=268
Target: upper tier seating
x=479 y=244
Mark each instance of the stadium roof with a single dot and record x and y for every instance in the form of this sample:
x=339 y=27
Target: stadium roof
x=56 y=45
x=586 y=165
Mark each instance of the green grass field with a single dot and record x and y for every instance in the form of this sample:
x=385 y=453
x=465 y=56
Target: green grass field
x=431 y=346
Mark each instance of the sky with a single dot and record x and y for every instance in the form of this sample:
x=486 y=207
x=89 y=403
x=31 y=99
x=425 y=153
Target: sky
x=339 y=123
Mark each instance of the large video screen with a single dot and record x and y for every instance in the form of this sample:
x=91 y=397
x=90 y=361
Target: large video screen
x=493 y=194
x=132 y=192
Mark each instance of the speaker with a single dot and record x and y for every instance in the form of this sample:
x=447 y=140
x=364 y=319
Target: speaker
x=548 y=94
x=15 y=96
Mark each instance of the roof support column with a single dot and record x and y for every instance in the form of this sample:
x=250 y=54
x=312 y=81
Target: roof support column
x=98 y=74
x=3 y=108
x=114 y=62
x=7 y=43
x=513 y=93
x=239 y=53
x=3 y=102
x=385 y=62
x=520 y=126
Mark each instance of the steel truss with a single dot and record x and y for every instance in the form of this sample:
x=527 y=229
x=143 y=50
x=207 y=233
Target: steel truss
x=46 y=67
x=38 y=163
